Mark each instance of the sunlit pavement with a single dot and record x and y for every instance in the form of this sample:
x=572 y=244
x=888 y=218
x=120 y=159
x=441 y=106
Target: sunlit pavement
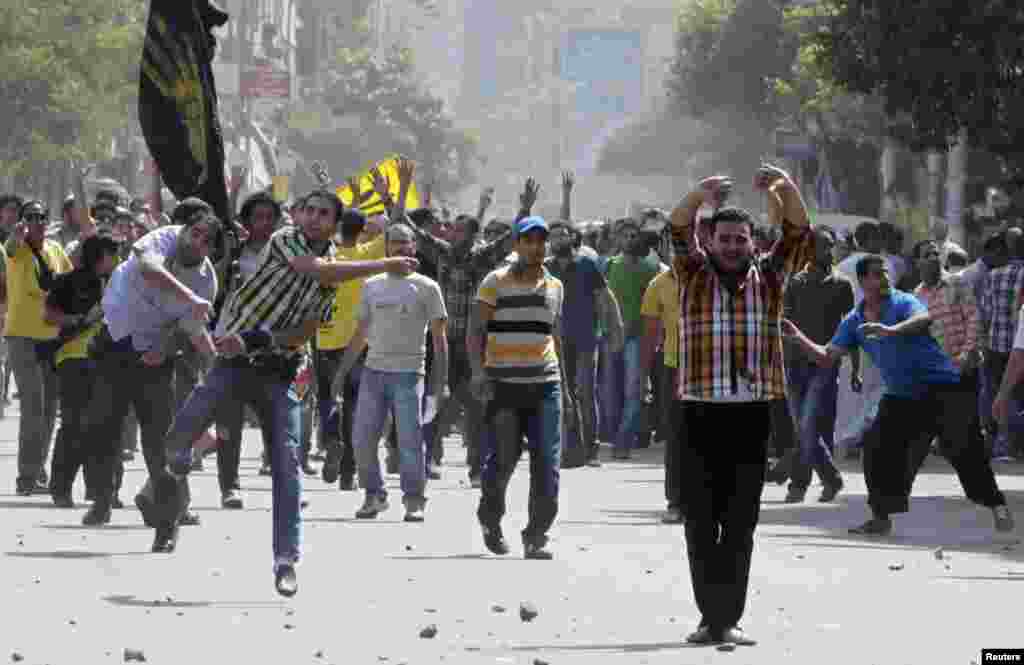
x=617 y=591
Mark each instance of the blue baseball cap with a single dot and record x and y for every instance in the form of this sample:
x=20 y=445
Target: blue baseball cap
x=531 y=223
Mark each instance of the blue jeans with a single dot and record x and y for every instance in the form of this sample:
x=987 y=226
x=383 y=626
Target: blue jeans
x=379 y=393
x=581 y=372
x=273 y=398
x=634 y=387
x=812 y=390
x=536 y=412
x=609 y=392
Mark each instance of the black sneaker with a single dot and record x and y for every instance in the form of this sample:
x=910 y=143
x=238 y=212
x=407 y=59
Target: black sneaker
x=536 y=549
x=347 y=484
x=285 y=581
x=63 y=501
x=166 y=539
x=145 y=506
x=97 y=515
x=189 y=519
x=494 y=539
x=873 y=527
x=30 y=486
x=332 y=466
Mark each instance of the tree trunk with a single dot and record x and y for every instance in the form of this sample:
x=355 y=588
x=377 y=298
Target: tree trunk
x=934 y=161
x=888 y=168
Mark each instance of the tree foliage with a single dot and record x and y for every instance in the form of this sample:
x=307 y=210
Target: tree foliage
x=68 y=75
x=396 y=115
x=939 y=66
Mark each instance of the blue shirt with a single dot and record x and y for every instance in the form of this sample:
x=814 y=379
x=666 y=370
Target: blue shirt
x=908 y=363
x=580 y=282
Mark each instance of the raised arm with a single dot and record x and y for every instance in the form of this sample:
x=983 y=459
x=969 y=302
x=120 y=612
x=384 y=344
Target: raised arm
x=823 y=356
x=527 y=199
x=568 y=182
x=787 y=211
x=683 y=220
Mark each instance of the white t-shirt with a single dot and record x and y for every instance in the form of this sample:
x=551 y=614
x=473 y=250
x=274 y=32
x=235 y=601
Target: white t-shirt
x=1018 y=340
x=399 y=309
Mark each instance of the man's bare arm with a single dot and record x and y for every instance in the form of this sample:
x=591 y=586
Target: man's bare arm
x=823 y=356
x=649 y=343
x=611 y=316
x=352 y=353
x=476 y=339
x=157 y=275
x=331 y=273
x=439 y=369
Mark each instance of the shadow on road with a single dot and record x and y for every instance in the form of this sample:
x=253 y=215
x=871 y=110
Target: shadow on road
x=28 y=503
x=452 y=557
x=126 y=600
x=68 y=555
x=95 y=529
x=638 y=647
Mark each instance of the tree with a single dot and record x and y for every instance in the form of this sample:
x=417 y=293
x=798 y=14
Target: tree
x=68 y=74
x=939 y=67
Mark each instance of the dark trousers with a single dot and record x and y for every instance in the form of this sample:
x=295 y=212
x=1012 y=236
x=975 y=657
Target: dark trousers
x=122 y=381
x=897 y=443
x=230 y=424
x=722 y=477
x=783 y=433
x=995 y=368
x=675 y=437
x=536 y=412
x=75 y=378
x=459 y=375
x=336 y=422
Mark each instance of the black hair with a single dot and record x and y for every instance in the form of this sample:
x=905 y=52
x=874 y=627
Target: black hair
x=471 y=223
x=423 y=216
x=352 y=223
x=95 y=247
x=995 y=242
x=259 y=199
x=865 y=262
x=111 y=195
x=11 y=199
x=574 y=232
x=866 y=233
x=32 y=203
x=185 y=212
x=68 y=204
x=732 y=215
x=339 y=205
x=919 y=246
x=959 y=255
x=827 y=230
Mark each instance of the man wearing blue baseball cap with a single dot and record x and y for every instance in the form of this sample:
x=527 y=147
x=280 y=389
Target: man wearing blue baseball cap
x=516 y=357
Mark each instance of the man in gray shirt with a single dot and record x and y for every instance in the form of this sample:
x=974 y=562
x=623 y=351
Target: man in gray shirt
x=393 y=318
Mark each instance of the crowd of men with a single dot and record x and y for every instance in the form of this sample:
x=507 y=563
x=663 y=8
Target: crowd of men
x=550 y=337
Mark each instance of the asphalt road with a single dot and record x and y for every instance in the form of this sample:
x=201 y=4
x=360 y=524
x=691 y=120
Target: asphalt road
x=617 y=592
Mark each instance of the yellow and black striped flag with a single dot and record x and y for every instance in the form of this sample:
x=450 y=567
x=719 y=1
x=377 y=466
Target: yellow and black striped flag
x=369 y=202
x=178 y=100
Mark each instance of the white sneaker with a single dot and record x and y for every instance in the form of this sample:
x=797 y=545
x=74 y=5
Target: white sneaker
x=1003 y=518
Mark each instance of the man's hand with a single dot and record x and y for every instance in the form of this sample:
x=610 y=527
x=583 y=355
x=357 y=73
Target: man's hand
x=856 y=383
x=401 y=264
x=876 y=330
x=529 y=196
x=381 y=184
x=201 y=309
x=406 y=170
x=768 y=175
x=789 y=330
x=715 y=190
x=232 y=345
x=568 y=181
x=486 y=199
x=153 y=358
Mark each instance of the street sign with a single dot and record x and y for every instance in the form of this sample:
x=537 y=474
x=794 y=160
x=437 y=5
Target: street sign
x=265 y=81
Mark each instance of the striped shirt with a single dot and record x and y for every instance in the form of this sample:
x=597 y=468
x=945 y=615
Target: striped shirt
x=998 y=306
x=730 y=346
x=954 y=315
x=276 y=297
x=520 y=340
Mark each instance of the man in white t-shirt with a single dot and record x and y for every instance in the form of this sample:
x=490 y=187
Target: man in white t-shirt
x=393 y=317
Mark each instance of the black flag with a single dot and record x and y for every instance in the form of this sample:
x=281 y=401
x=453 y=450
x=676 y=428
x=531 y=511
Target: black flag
x=178 y=100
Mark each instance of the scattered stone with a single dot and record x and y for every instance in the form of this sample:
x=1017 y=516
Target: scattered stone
x=21 y=543
x=382 y=658
x=215 y=573
x=896 y=566
x=169 y=598
x=180 y=614
x=528 y=612
x=800 y=556
x=648 y=571
x=538 y=661
x=430 y=610
x=134 y=655
x=582 y=548
x=16 y=657
x=498 y=609
x=671 y=619
x=37 y=580
x=726 y=647
x=319 y=654
x=227 y=537
x=429 y=632
x=72 y=622
x=289 y=626
x=408 y=548
x=1006 y=548
x=289 y=613
x=939 y=552
x=949 y=567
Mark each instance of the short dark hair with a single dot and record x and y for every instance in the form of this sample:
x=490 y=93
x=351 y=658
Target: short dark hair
x=11 y=200
x=574 y=232
x=866 y=233
x=731 y=215
x=352 y=223
x=32 y=203
x=108 y=194
x=95 y=247
x=471 y=223
x=960 y=256
x=185 y=212
x=68 y=204
x=259 y=199
x=339 y=205
x=864 y=264
x=919 y=246
x=423 y=216
x=827 y=230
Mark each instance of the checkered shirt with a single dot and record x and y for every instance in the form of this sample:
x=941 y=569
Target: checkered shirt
x=954 y=314
x=999 y=305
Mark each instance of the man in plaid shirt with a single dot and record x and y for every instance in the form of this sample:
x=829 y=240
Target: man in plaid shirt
x=997 y=323
x=730 y=369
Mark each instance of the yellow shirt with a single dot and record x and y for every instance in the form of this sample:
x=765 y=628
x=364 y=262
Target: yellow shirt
x=25 y=299
x=661 y=301
x=338 y=332
x=78 y=348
